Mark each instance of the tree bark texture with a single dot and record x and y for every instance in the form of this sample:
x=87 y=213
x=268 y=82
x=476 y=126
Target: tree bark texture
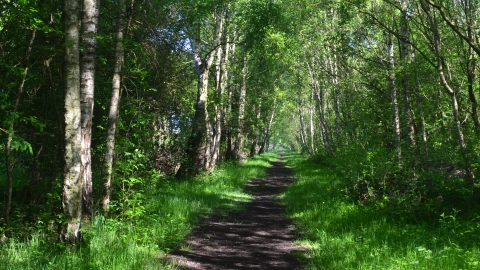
x=332 y=60
x=471 y=70
x=393 y=92
x=87 y=86
x=114 y=103
x=318 y=92
x=222 y=77
x=197 y=150
x=72 y=187
x=238 y=150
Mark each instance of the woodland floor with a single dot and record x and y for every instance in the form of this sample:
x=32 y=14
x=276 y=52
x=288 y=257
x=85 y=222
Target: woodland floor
x=258 y=237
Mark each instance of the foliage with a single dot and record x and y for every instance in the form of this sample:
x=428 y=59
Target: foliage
x=343 y=234
x=356 y=85
x=147 y=226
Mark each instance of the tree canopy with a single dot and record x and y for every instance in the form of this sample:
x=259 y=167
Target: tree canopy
x=385 y=90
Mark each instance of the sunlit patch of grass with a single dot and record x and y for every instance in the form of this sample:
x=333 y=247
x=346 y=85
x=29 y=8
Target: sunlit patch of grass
x=343 y=234
x=168 y=213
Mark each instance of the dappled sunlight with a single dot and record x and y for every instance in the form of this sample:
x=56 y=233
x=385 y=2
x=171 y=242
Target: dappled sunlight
x=259 y=237
x=163 y=219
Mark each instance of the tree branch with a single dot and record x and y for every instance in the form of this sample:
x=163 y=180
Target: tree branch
x=453 y=26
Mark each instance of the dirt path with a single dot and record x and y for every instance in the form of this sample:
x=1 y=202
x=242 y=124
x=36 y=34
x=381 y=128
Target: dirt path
x=258 y=238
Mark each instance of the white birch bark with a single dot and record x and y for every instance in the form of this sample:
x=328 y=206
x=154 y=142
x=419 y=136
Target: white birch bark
x=238 y=150
x=222 y=77
x=197 y=150
x=320 y=99
x=393 y=92
x=72 y=186
x=87 y=86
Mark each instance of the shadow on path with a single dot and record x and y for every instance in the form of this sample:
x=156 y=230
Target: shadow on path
x=260 y=237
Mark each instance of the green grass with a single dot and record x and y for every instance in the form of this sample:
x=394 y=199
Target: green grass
x=158 y=221
x=343 y=234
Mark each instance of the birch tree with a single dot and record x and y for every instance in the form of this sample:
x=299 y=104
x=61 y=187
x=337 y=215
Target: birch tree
x=238 y=149
x=197 y=150
x=114 y=103
x=221 y=84
x=393 y=92
x=87 y=86
x=72 y=188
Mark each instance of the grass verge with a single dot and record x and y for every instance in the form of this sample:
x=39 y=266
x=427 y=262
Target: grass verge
x=158 y=221
x=343 y=234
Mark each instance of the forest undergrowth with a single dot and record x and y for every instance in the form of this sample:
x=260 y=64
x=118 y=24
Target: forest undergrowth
x=147 y=224
x=344 y=232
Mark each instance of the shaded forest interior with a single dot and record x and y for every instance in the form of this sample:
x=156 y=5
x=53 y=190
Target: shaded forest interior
x=110 y=108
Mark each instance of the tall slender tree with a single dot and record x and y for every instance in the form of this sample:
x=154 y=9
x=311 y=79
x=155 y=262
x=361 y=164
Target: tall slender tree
x=221 y=79
x=393 y=92
x=87 y=86
x=72 y=187
x=114 y=103
x=238 y=148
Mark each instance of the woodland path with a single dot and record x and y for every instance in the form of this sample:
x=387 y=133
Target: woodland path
x=259 y=237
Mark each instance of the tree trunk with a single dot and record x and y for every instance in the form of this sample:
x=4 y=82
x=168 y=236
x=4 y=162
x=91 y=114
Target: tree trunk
x=393 y=91
x=321 y=114
x=319 y=94
x=197 y=150
x=405 y=56
x=471 y=72
x=471 y=66
x=422 y=118
x=114 y=103
x=443 y=80
x=312 y=125
x=450 y=91
x=336 y=98
x=197 y=141
x=87 y=86
x=256 y=133
x=230 y=140
x=222 y=77
x=72 y=188
x=303 y=133
x=266 y=139
x=238 y=150
x=209 y=144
